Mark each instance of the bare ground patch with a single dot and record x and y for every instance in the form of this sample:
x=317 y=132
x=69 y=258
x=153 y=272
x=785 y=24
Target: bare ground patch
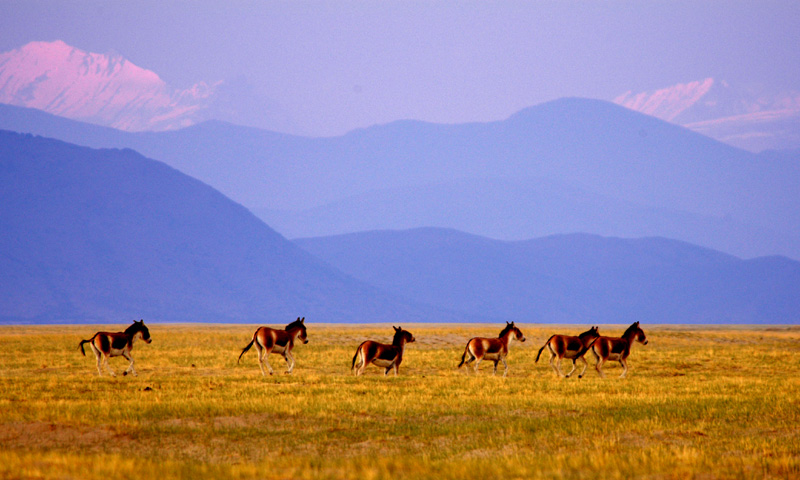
x=28 y=435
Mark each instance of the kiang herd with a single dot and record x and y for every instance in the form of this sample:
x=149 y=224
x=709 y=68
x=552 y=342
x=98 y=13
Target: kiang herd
x=390 y=356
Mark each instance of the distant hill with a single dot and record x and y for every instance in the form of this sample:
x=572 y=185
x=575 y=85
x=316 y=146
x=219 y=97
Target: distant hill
x=576 y=164
x=584 y=279
x=110 y=236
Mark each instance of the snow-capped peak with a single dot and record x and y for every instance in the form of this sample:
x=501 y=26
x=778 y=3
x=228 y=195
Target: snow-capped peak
x=666 y=103
x=105 y=89
x=753 y=118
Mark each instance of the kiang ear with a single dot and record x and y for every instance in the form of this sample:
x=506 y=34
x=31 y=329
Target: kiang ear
x=302 y=319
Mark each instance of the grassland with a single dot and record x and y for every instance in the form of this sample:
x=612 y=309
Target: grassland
x=697 y=403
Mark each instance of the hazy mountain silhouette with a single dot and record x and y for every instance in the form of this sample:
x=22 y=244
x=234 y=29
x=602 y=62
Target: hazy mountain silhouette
x=109 y=236
x=632 y=174
x=574 y=278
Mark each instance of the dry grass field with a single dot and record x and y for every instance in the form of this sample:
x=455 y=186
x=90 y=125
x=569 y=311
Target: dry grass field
x=698 y=402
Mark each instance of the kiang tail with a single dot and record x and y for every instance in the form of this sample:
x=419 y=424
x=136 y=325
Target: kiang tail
x=246 y=348
x=353 y=363
x=540 y=350
x=463 y=357
x=85 y=341
x=355 y=357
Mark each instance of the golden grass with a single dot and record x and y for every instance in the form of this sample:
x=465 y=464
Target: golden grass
x=699 y=402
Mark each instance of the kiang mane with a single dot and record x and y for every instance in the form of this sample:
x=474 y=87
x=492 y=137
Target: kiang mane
x=296 y=323
x=133 y=328
x=631 y=329
x=506 y=329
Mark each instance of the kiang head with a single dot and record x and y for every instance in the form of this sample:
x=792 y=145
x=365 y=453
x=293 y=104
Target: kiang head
x=138 y=328
x=515 y=332
x=299 y=324
x=402 y=336
x=634 y=332
x=593 y=332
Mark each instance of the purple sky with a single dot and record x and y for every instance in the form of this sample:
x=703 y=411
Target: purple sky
x=335 y=66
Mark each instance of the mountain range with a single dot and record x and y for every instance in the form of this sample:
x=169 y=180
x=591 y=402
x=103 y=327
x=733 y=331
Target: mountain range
x=524 y=216
x=105 y=236
x=108 y=89
x=574 y=278
x=572 y=165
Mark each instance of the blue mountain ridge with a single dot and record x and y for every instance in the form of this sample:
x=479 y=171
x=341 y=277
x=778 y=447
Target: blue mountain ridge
x=571 y=165
x=107 y=236
x=572 y=278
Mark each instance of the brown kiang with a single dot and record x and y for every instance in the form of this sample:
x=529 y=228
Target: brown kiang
x=571 y=348
x=494 y=349
x=108 y=344
x=382 y=355
x=617 y=348
x=269 y=340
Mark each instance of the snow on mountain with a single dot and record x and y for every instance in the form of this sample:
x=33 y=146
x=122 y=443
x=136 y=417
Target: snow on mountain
x=102 y=89
x=666 y=103
x=751 y=118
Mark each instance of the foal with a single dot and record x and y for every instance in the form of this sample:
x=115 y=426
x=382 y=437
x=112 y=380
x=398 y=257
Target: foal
x=106 y=344
x=571 y=348
x=382 y=355
x=608 y=348
x=495 y=349
x=269 y=340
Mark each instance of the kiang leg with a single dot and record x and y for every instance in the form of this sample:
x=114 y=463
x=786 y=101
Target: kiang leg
x=477 y=362
x=470 y=360
x=357 y=363
x=467 y=363
x=289 y=361
x=558 y=366
x=553 y=364
x=263 y=355
x=599 y=366
x=624 y=363
x=260 y=357
x=99 y=357
x=266 y=362
x=573 y=369
x=362 y=358
x=585 y=364
x=505 y=366
x=108 y=365
x=130 y=367
x=494 y=372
